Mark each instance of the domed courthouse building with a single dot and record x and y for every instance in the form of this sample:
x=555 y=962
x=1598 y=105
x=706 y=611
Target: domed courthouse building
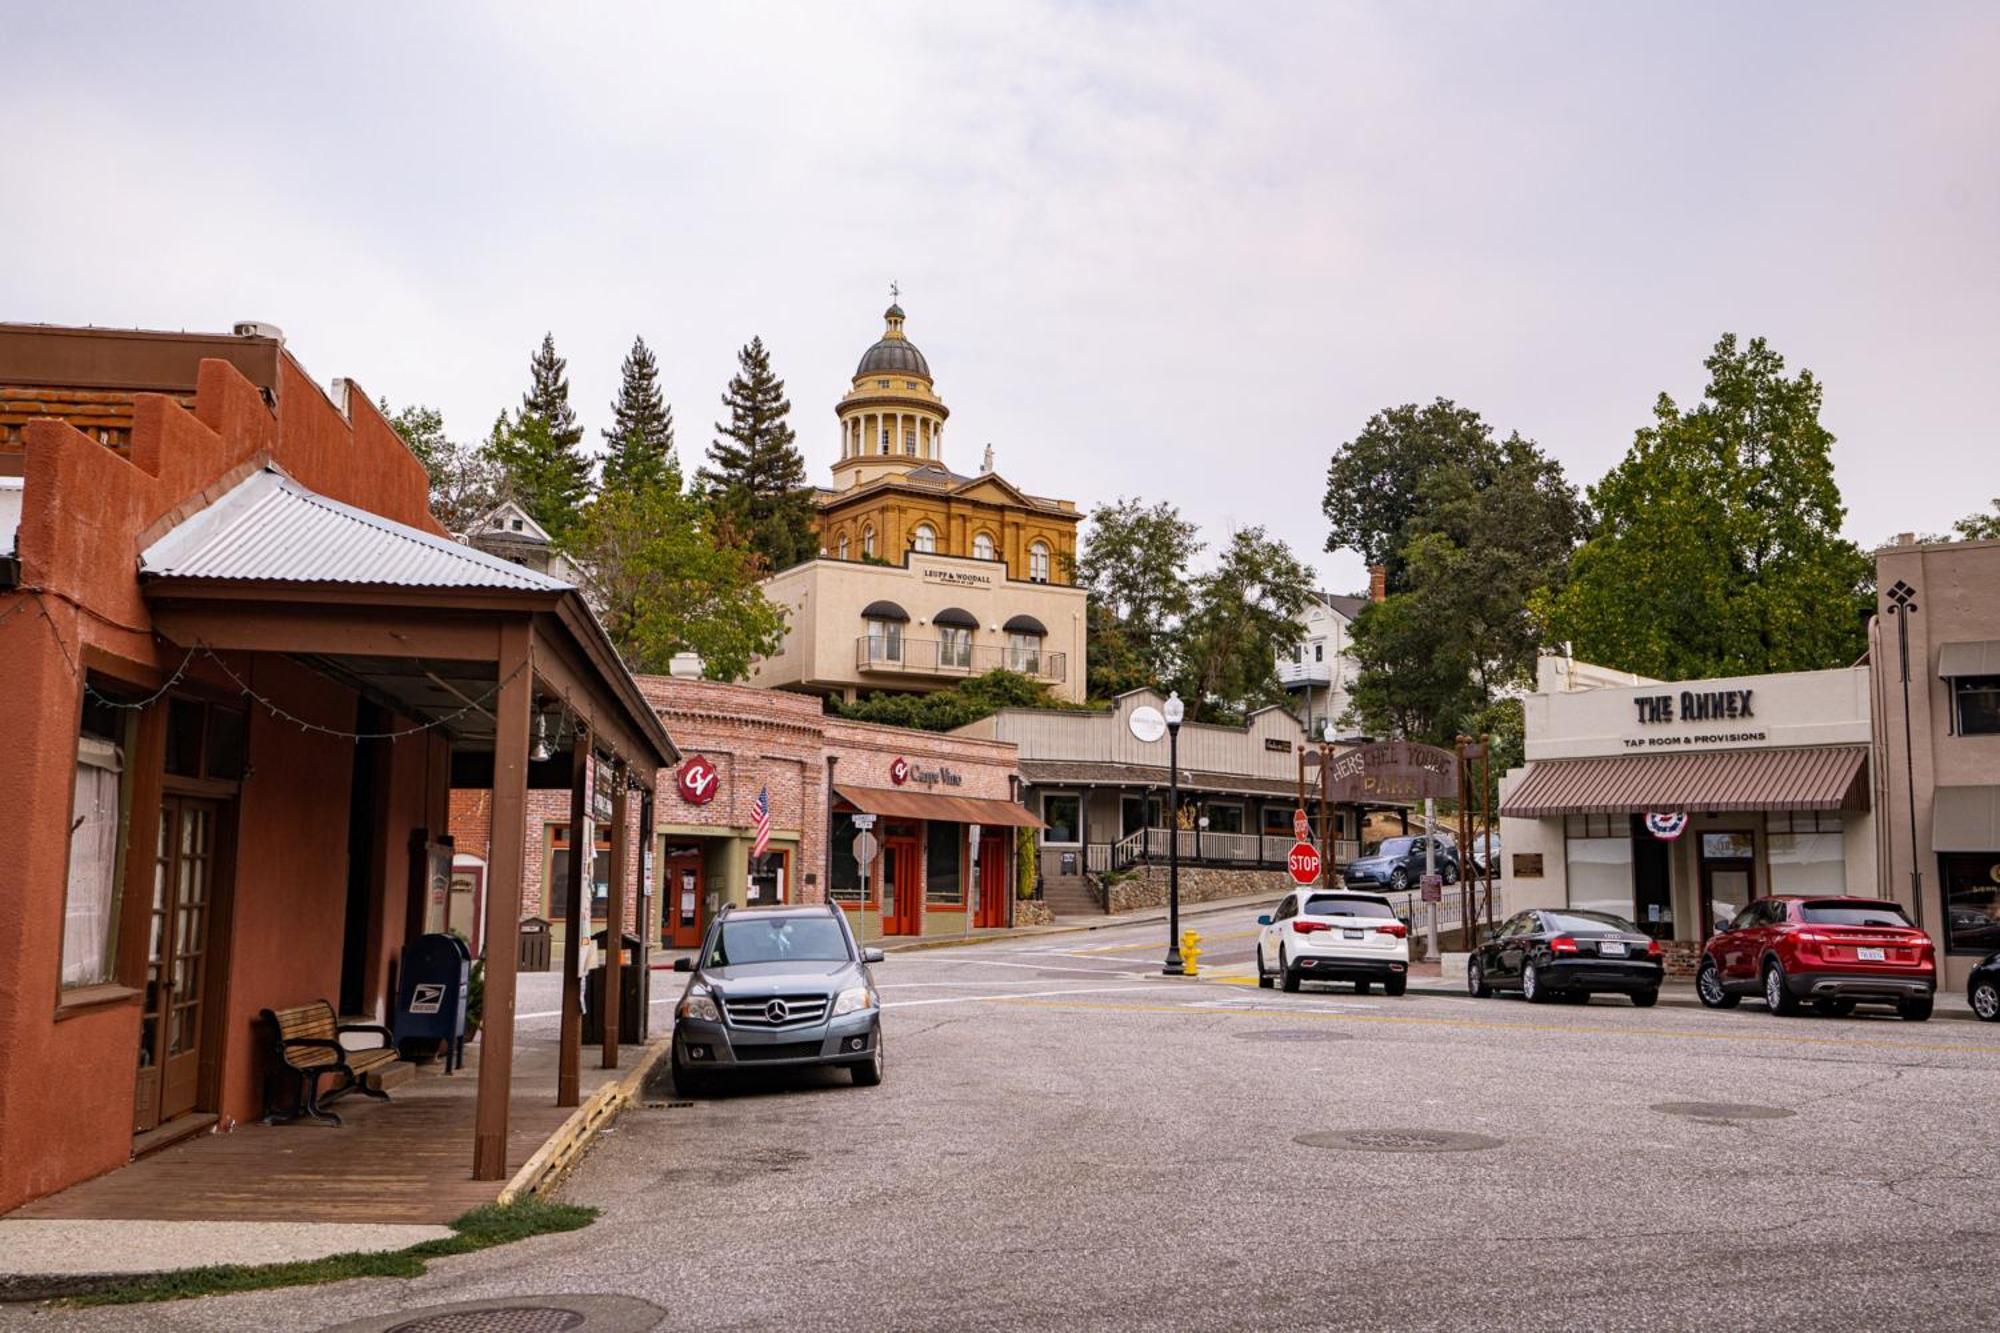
x=925 y=576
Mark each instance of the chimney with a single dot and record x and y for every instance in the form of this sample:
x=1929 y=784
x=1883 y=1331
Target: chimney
x=1378 y=582
x=685 y=666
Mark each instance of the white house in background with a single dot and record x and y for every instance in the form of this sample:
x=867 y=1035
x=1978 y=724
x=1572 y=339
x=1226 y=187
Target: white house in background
x=510 y=533
x=1320 y=670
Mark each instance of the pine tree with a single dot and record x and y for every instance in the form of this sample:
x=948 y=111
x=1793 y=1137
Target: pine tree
x=548 y=396
x=550 y=482
x=641 y=436
x=755 y=472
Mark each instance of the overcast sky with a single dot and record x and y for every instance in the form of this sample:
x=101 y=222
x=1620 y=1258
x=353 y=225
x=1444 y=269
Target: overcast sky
x=1173 y=251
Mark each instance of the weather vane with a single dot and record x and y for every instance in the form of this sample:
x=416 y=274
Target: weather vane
x=895 y=292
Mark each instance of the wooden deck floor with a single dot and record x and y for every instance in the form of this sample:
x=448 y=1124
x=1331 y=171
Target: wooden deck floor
x=404 y=1160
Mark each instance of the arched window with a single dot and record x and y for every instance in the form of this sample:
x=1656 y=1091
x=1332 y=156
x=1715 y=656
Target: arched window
x=843 y=546
x=982 y=546
x=868 y=541
x=924 y=539
x=1038 y=562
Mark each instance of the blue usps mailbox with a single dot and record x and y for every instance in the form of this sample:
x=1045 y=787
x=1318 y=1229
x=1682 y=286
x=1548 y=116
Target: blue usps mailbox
x=431 y=997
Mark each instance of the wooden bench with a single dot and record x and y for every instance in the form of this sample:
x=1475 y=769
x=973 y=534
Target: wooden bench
x=309 y=1049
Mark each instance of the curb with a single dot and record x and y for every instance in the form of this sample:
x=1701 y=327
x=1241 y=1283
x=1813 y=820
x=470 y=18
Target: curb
x=560 y=1151
x=1686 y=999
x=1035 y=932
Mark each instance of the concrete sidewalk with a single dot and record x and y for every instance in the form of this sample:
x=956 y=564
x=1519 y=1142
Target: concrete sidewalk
x=1680 y=994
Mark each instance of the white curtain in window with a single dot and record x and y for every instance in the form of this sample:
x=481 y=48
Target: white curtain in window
x=1600 y=875
x=1808 y=863
x=93 y=864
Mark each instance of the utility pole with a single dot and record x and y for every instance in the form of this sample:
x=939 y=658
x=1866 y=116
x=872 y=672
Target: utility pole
x=1430 y=867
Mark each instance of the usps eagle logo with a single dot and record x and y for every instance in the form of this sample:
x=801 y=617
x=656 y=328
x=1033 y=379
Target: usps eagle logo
x=1667 y=827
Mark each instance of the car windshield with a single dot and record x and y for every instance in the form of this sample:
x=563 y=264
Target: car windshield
x=1327 y=904
x=778 y=939
x=1389 y=847
x=1589 y=923
x=1854 y=914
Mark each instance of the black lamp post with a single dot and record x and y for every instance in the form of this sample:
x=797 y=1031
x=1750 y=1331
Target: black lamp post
x=1174 y=711
x=1902 y=605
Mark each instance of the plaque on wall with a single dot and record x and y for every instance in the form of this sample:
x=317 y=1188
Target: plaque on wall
x=1527 y=865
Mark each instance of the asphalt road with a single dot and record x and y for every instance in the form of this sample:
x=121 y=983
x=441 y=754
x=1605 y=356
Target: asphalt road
x=1065 y=1140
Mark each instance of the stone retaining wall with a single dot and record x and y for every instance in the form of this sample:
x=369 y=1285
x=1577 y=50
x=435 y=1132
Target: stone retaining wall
x=1199 y=884
x=1033 y=912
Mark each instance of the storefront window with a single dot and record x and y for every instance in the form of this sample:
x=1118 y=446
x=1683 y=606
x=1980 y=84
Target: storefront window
x=1972 y=901
x=1224 y=818
x=1598 y=855
x=558 y=878
x=1063 y=817
x=847 y=886
x=96 y=847
x=1808 y=853
x=944 y=878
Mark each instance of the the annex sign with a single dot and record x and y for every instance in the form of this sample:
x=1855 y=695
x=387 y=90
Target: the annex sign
x=1394 y=771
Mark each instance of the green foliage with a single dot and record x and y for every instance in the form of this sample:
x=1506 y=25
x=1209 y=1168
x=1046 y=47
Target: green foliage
x=1717 y=549
x=466 y=485
x=1245 y=610
x=1027 y=856
x=551 y=481
x=480 y=1229
x=547 y=398
x=948 y=709
x=1135 y=569
x=641 y=436
x=755 y=474
x=1978 y=527
x=1479 y=533
x=1375 y=484
x=664 y=581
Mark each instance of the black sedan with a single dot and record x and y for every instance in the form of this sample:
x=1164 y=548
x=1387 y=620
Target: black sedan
x=1567 y=954
x=1982 y=990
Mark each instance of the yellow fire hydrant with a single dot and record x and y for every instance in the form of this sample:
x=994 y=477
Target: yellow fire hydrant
x=1190 y=950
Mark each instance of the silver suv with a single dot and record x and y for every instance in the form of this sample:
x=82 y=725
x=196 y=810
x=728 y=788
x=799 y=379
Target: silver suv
x=774 y=987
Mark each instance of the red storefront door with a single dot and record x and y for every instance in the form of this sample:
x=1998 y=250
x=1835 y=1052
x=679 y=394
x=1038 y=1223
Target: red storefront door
x=902 y=893
x=682 y=899
x=995 y=877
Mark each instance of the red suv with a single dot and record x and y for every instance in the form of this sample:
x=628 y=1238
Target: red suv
x=1834 y=952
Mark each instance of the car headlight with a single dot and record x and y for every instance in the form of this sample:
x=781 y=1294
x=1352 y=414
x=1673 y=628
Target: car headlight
x=853 y=999
x=698 y=1003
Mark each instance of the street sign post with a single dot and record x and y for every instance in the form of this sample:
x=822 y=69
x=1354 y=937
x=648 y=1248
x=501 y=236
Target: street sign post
x=1304 y=862
x=864 y=849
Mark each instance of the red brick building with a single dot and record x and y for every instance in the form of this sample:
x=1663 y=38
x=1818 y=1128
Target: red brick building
x=239 y=654
x=925 y=792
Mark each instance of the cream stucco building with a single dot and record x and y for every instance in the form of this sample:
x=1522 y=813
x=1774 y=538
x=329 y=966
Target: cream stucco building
x=925 y=576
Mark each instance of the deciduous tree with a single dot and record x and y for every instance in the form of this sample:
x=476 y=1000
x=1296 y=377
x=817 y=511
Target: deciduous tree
x=465 y=483
x=1135 y=568
x=1245 y=611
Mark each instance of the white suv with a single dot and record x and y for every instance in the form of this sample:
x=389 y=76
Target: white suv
x=1321 y=935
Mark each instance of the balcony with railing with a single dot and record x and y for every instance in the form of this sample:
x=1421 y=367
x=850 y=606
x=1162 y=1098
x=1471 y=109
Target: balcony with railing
x=1302 y=675
x=938 y=659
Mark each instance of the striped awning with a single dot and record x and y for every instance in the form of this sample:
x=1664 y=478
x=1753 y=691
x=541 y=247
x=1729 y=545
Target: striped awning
x=1831 y=777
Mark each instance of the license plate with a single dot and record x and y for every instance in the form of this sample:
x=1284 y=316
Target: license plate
x=1352 y=934
x=1612 y=949
x=1872 y=955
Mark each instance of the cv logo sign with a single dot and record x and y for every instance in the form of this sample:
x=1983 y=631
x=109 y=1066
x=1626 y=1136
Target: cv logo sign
x=899 y=772
x=698 y=780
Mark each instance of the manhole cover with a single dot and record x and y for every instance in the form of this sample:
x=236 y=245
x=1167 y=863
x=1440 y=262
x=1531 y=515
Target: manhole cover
x=1397 y=1140
x=1290 y=1034
x=504 y=1319
x=1722 y=1110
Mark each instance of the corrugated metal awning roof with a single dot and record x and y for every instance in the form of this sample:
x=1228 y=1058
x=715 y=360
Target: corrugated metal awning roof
x=1969 y=659
x=1821 y=778
x=269 y=528
x=1965 y=819
x=894 y=804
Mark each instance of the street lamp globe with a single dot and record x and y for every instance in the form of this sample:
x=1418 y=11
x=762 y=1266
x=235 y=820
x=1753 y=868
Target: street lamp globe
x=1174 y=711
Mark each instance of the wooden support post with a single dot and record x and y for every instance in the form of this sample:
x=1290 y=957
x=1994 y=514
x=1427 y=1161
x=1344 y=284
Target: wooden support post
x=582 y=853
x=645 y=913
x=503 y=902
x=614 y=918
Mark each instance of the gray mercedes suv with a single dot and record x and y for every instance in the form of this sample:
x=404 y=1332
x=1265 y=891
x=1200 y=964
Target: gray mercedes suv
x=774 y=987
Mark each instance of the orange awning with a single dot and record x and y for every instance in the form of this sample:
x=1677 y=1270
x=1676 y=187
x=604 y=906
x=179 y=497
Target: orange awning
x=1828 y=777
x=897 y=804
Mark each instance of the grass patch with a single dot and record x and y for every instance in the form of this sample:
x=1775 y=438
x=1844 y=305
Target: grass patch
x=480 y=1229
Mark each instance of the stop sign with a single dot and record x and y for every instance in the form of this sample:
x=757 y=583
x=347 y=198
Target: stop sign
x=1302 y=828
x=1303 y=862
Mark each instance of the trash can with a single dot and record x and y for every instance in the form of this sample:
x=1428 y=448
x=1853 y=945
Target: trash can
x=634 y=987
x=533 y=955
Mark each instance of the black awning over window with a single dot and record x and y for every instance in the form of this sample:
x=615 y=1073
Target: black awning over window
x=884 y=611
x=954 y=616
x=1026 y=625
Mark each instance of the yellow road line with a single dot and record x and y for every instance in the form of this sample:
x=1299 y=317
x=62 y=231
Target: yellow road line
x=1270 y=1010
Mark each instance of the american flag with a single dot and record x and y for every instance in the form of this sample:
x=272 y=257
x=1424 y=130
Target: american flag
x=760 y=815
